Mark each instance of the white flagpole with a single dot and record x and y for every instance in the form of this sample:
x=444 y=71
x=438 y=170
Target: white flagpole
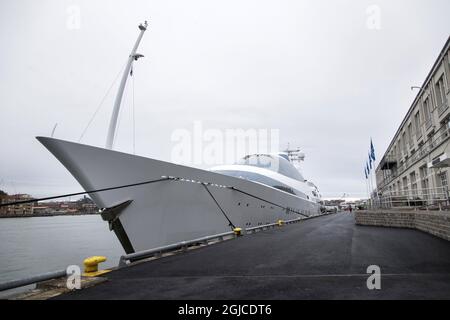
x=372 y=158
x=367 y=187
x=375 y=180
x=374 y=176
x=366 y=175
x=370 y=188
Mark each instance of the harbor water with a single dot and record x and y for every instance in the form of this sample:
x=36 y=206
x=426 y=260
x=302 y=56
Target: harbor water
x=30 y=246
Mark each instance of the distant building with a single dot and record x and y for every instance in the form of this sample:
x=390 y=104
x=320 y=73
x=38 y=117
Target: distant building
x=81 y=206
x=84 y=205
x=89 y=208
x=414 y=169
x=87 y=205
x=17 y=209
x=41 y=210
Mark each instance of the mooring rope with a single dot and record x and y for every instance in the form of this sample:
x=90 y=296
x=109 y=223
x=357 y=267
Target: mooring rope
x=238 y=190
x=223 y=212
x=85 y=192
x=163 y=178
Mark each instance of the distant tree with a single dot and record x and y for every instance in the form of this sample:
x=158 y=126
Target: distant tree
x=3 y=193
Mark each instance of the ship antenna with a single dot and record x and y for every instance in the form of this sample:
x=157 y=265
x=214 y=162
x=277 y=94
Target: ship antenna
x=295 y=155
x=132 y=57
x=54 y=128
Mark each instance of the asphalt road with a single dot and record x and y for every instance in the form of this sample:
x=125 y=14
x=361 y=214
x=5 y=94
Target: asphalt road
x=321 y=258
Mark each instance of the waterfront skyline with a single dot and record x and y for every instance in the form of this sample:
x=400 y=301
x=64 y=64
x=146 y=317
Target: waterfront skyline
x=317 y=72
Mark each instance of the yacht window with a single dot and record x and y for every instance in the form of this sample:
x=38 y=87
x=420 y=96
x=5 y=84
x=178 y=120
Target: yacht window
x=274 y=163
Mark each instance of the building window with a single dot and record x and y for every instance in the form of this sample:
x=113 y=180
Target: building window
x=423 y=172
x=413 y=184
x=417 y=125
x=425 y=183
x=440 y=94
x=413 y=177
x=404 y=142
x=405 y=186
x=410 y=135
x=427 y=112
x=443 y=179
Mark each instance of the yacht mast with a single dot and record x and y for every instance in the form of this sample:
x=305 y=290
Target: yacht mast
x=117 y=102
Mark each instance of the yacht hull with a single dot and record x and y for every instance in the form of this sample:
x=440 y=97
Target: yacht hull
x=163 y=211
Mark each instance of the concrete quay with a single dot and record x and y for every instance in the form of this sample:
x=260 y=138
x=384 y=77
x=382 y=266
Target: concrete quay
x=321 y=258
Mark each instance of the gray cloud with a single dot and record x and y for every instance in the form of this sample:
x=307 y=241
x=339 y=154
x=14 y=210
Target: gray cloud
x=309 y=68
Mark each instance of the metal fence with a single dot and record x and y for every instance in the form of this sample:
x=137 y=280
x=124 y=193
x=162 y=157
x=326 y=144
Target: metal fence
x=424 y=198
x=156 y=252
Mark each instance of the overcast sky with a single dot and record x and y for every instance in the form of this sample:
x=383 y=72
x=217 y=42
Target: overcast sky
x=321 y=72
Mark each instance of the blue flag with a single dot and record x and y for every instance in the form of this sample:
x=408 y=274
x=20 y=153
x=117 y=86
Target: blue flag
x=372 y=150
x=367 y=168
x=370 y=162
x=365 y=172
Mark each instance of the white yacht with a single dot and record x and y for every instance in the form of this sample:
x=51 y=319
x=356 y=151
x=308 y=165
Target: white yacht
x=150 y=203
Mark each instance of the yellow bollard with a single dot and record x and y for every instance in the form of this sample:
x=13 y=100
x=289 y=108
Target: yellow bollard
x=91 y=266
x=237 y=231
x=280 y=222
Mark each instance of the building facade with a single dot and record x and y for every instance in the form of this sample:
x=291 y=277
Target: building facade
x=17 y=209
x=415 y=168
x=81 y=206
